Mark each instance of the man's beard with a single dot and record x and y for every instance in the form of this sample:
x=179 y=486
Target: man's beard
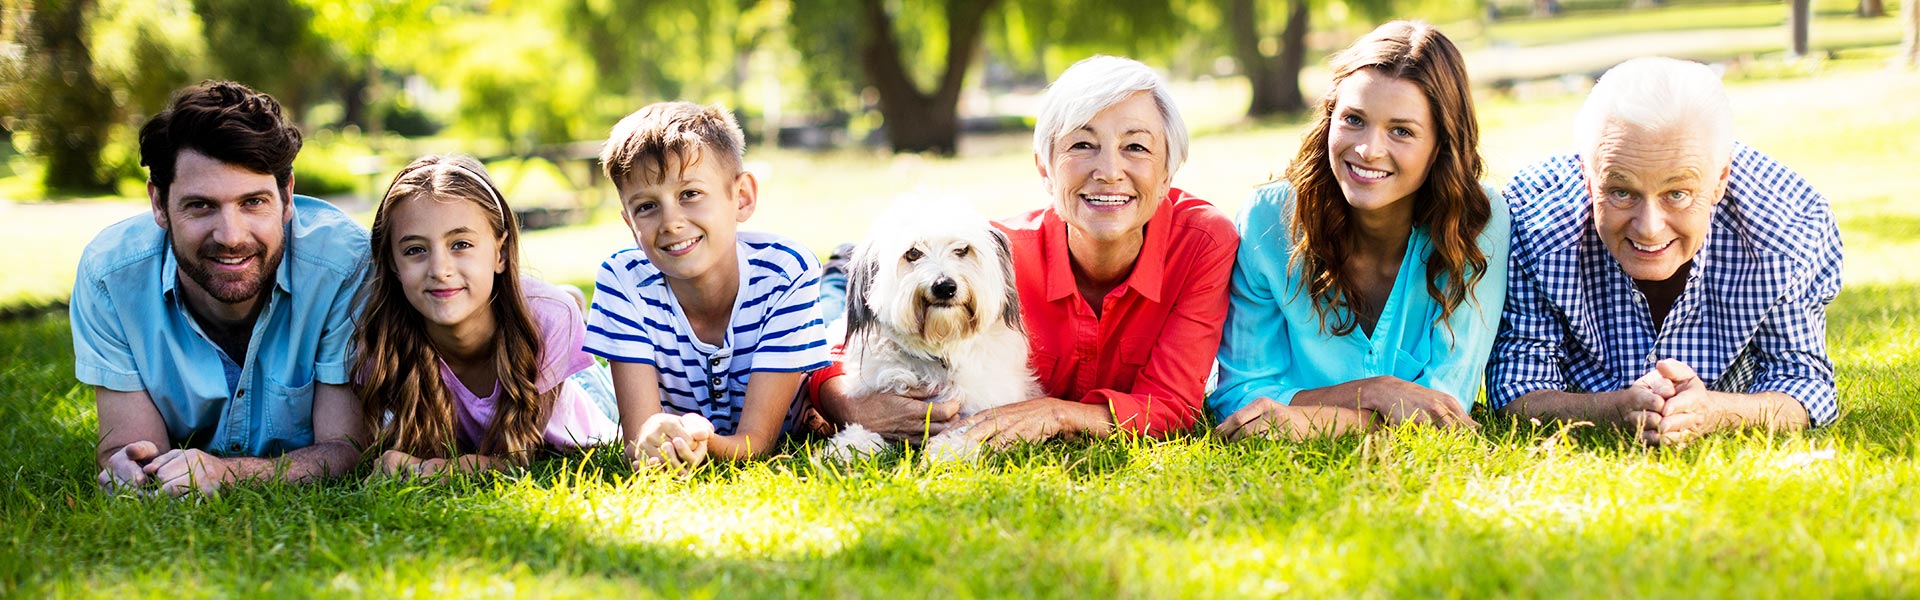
x=231 y=288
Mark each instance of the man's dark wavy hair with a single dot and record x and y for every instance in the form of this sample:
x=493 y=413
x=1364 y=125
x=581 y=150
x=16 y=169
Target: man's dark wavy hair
x=225 y=121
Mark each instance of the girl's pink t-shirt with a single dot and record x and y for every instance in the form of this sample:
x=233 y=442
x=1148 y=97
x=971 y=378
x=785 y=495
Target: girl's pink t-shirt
x=576 y=420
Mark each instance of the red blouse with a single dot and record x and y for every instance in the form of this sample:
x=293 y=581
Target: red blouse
x=1148 y=353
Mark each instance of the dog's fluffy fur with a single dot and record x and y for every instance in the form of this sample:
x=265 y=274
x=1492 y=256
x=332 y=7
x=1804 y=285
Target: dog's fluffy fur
x=932 y=305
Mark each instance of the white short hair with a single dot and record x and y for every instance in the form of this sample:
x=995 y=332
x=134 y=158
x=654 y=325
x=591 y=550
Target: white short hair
x=1092 y=85
x=1657 y=94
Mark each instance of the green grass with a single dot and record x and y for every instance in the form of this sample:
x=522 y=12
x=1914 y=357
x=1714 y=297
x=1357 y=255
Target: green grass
x=1513 y=510
x=1682 y=20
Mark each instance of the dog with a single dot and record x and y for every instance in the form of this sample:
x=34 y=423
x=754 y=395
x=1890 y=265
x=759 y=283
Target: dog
x=932 y=305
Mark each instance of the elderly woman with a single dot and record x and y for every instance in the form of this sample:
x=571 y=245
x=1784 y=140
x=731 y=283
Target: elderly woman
x=1123 y=278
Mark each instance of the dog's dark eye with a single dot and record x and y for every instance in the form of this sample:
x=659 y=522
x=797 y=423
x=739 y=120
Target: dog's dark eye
x=963 y=251
x=913 y=254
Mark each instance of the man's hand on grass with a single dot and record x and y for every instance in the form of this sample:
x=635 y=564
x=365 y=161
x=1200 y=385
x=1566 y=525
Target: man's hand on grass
x=1686 y=414
x=180 y=471
x=126 y=468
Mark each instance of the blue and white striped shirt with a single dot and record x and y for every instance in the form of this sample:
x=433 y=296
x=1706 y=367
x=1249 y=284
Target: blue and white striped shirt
x=1751 y=319
x=776 y=327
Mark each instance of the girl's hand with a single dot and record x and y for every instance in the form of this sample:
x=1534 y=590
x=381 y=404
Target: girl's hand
x=394 y=463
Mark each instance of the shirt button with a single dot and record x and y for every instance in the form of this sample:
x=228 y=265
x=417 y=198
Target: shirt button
x=241 y=394
x=1652 y=358
x=233 y=448
x=715 y=382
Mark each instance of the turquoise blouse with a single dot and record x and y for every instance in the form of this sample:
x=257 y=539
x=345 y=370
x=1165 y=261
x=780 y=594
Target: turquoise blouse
x=1274 y=346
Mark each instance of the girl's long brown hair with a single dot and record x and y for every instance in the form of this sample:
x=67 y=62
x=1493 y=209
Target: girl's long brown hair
x=1450 y=203
x=398 y=370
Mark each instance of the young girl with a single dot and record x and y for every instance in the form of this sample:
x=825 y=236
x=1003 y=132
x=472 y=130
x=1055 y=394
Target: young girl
x=464 y=365
x=1369 y=282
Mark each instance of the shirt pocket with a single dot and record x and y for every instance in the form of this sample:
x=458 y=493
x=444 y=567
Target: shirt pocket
x=1408 y=365
x=288 y=414
x=1134 y=352
x=1046 y=367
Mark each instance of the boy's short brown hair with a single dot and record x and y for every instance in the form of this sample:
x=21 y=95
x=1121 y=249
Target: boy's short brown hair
x=645 y=138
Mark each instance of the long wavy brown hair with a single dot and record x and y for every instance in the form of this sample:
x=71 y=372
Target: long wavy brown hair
x=1450 y=204
x=398 y=371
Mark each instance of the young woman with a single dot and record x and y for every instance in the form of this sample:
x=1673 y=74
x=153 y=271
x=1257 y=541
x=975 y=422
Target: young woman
x=464 y=365
x=1369 y=281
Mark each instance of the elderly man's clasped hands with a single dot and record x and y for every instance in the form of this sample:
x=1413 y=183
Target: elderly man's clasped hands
x=1668 y=406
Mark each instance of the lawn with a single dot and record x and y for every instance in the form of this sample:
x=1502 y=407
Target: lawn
x=1513 y=510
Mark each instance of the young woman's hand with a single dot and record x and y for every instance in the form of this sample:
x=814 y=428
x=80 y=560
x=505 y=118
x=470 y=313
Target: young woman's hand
x=1398 y=401
x=1263 y=418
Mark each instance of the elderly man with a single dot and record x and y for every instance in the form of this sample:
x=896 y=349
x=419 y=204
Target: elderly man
x=216 y=332
x=1666 y=278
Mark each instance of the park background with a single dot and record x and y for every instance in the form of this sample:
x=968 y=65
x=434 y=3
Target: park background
x=848 y=105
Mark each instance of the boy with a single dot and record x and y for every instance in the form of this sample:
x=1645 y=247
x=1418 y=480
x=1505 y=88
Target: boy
x=710 y=330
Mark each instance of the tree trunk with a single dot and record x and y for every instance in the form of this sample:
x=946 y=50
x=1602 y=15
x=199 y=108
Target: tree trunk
x=918 y=121
x=353 y=102
x=1871 y=8
x=1276 y=80
x=75 y=109
x=1910 y=48
x=1799 y=12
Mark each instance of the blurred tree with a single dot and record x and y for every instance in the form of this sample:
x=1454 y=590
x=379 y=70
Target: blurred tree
x=57 y=96
x=1272 y=63
x=1871 y=8
x=516 y=78
x=1799 y=13
x=270 y=45
x=1275 y=76
x=671 y=50
x=1910 y=46
x=368 y=34
x=915 y=55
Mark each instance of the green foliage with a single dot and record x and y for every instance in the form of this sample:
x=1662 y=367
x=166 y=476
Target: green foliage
x=270 y=45
x=517 y=84
x=56 y=93
x=326 y=165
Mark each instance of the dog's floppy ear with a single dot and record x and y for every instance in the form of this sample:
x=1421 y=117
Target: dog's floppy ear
x=1010 y=309
x=860 y=274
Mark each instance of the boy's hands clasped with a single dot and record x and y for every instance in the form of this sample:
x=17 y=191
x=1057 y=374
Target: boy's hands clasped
x=675 y=442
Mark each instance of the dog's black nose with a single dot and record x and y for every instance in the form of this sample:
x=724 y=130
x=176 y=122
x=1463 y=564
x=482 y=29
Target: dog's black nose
x=944 y=288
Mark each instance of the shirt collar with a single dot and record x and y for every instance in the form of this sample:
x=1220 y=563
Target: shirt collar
x=1148 y=269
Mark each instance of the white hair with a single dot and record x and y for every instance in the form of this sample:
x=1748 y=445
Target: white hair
x=1658 y=94
x=1092 y=85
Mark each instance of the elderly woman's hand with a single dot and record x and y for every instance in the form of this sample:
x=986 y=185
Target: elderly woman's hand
x=894 y=417
x=1036 y=420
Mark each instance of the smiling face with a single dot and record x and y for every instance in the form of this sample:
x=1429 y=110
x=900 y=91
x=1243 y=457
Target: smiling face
x=446 y=254
x=227 y=228
x=685 y=217
x=1382 y=139
x=1108 y=176
x=1653 y=194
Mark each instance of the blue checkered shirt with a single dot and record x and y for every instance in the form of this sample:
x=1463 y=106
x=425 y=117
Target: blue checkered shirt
x=1752 y=317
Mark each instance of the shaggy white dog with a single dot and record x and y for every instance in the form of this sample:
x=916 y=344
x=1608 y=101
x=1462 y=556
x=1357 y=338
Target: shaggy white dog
x=932 y=305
